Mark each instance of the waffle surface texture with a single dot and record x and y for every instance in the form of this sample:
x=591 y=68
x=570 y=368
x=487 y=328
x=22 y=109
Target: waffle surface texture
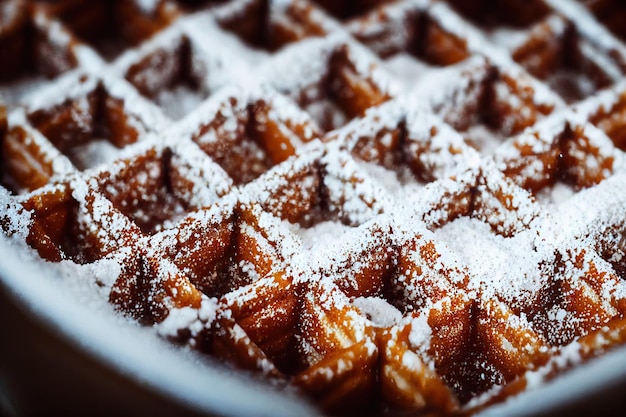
x=396 y=208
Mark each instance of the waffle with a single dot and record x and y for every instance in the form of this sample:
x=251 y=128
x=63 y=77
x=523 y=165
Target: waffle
x=392 y=206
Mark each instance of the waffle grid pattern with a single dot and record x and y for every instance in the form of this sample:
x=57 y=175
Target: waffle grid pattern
x=403 y=207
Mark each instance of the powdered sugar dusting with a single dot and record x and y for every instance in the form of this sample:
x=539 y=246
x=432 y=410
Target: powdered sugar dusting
x=188 y=318
x=507 y=271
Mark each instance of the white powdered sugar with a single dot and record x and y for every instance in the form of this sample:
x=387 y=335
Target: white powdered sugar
x=355 y=197
x=141 y=114
x=509 y=38
x=421 y=333
x=321 y=235
x=189 y=318
x=14 y=219
x=398 y=183
x=147 y=6
x=448 y=94
x=296 y=56
x=582 y=217
x=588 y=26
x=377 y=310
x=95 y=153
x=556 y=194
x=65 y=88
x=511 y=269
x=178 y=101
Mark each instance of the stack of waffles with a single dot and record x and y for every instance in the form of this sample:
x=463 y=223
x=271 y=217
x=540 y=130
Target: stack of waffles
x=392 y=206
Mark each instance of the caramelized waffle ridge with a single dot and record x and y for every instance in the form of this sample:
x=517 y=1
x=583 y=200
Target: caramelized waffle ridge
x=393 y=206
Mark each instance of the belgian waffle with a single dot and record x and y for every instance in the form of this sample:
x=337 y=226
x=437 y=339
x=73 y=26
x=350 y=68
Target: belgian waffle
x=399 y=206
